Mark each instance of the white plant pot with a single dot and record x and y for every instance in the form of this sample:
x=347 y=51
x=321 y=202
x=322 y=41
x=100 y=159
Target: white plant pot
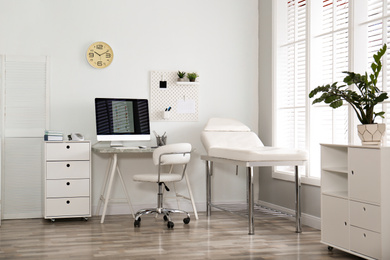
x=371 y=134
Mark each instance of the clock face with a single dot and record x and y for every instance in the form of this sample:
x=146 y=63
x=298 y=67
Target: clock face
x=99 y=55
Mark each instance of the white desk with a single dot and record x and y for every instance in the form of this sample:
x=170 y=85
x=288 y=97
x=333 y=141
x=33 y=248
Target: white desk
x=112 y=170
x=249 y=166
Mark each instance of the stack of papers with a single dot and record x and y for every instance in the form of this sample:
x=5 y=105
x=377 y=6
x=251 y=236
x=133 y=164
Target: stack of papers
x=51 y=135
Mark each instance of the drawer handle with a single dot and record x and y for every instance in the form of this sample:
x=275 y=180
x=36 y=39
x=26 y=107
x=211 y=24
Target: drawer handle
x=68 y=165
x=364 y=208
x=353 y=173
x=68 y=147
x=345 y=223
x=364 y=234
x=68 y=183
x=68 y=202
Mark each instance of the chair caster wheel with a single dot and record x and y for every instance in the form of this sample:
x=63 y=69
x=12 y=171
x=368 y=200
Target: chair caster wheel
x=186 y=220
x=330 y=248
x=165 y=218
x=137 y=223
x=170 y=224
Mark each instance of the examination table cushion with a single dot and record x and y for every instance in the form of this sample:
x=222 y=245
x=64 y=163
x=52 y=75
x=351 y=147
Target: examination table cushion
x=230 y=139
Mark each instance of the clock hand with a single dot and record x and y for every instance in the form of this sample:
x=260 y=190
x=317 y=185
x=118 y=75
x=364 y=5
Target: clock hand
x=97 y=53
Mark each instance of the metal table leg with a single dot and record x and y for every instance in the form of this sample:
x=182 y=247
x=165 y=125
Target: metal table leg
x=209 y=169
x=250 y=201
x=297 y=201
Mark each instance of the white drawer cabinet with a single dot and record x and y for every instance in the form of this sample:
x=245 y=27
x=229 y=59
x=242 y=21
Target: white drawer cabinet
x=355 y=183
x=67 y=179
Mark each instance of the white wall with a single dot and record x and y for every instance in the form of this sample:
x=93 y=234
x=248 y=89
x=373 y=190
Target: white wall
x=217 y=38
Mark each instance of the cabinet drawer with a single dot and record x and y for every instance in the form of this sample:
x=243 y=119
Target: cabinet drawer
x=67 y=207
x=366 y=242
x=67 y=151
x=67 y=169
x=365 y=216
x=67 y=188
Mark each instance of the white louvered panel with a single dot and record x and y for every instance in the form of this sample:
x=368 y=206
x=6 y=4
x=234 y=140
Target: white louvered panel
x=341 y=16
x=321 y=118
x=286 y=127
x=327 y=59
x=290 y=21
x=374 y=33
x=388 y=8
x=301 y=17
x=340 y=126
x=291 y=91
x=386 y=87
x=286 y=88
x=374 y=9
x=22 y=178
x=300 y=125
x=327 y=16
x=341 y=55
x=25 y=88
x=300 y=81
x=25 y=98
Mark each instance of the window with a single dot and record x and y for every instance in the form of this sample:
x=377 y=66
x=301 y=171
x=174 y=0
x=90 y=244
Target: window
x=315 y=42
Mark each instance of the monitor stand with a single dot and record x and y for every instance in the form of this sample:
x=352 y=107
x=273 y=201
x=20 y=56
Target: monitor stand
x=116 y=144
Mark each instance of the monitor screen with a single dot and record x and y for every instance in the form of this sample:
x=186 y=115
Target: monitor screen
x=122 y=119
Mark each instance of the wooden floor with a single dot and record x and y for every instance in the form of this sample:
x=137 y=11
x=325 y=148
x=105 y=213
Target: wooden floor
x=223 y=236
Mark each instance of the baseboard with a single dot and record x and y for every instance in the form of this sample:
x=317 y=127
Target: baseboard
x=306 y=219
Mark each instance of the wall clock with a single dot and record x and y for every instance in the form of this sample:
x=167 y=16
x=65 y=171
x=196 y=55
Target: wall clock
x=100 y=55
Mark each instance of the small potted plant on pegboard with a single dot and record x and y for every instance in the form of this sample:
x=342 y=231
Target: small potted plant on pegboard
x=181 y=75
x=192 y=76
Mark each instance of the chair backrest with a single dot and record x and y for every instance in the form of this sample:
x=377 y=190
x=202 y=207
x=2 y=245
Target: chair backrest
x=171 y=154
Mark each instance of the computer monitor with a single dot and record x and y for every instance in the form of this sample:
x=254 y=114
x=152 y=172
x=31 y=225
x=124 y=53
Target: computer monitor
x=122 y=119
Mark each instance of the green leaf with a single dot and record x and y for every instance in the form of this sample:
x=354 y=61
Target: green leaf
x=336 y=104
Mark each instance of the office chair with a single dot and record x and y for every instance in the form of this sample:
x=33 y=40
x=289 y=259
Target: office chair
x=173 y=155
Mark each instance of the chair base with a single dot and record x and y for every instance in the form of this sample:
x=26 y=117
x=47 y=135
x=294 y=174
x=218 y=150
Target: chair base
x=165 y=211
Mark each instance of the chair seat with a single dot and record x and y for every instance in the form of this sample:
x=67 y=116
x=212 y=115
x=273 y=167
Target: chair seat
x=152 y=177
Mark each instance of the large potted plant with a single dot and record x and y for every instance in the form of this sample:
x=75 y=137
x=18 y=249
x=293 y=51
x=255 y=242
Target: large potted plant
x=363 y=100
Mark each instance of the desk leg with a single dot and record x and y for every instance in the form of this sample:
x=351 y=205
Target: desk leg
x=125 y=190
x=104 y=187
x=297 y=201
x=209 y=170
x=250 y=200
x=112 y=174
x=191 y=196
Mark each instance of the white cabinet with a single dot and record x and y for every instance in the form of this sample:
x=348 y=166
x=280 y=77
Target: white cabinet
x=355 y=199
x=67 y=179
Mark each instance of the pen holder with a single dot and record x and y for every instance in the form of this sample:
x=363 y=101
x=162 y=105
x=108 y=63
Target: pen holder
x=166 y=114
x=161 y=140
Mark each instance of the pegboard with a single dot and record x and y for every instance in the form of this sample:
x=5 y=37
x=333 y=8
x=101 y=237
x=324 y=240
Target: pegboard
x=182 y=97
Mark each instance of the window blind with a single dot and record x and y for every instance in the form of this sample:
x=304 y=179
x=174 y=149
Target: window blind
x=377 y=35
x=299 y=124
x=291 y=93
